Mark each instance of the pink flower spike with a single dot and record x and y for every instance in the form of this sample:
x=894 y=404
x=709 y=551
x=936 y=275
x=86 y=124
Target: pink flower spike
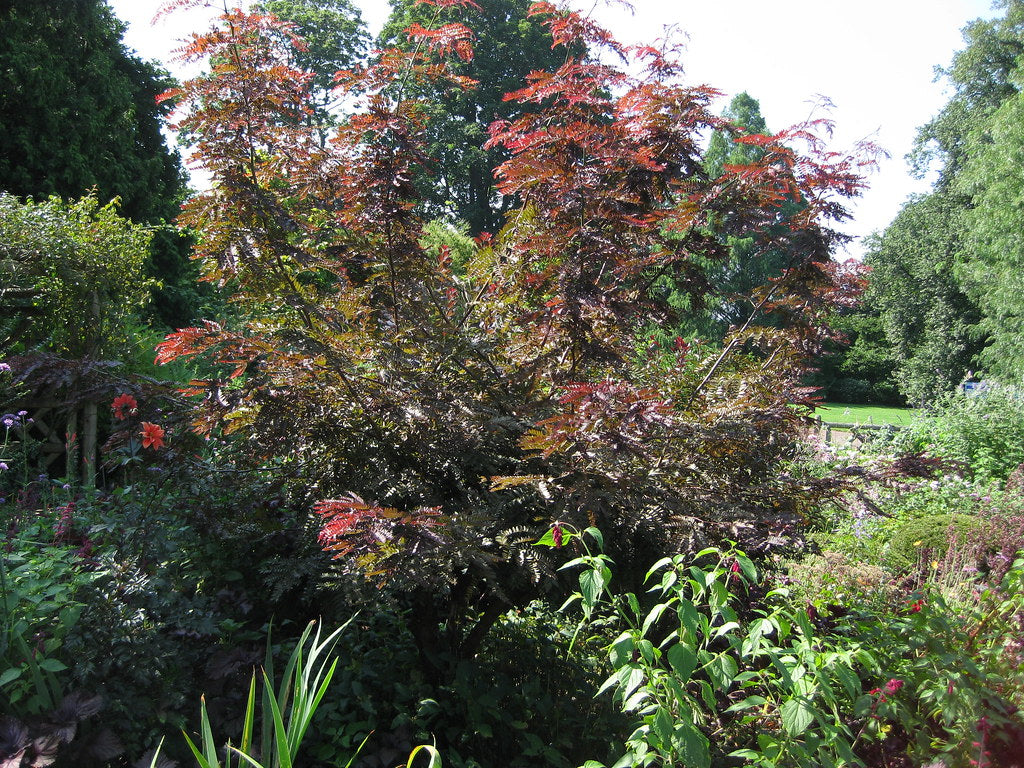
x=557 y=534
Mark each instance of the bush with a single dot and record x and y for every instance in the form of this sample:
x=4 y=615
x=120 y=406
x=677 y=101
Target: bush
x=928 y=538
x=984 y=431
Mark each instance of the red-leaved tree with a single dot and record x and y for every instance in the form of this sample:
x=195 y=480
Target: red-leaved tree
x=439 y=418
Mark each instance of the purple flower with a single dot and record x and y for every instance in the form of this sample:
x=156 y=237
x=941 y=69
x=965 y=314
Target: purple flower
x=3 y=466
x=9 y=419
x=4 y=368
x=23 y=413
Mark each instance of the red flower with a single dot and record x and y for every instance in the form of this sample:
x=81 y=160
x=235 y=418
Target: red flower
x=152 y=436
x=893 y=686
x=124 y=405
x=916 y=605
x=557 y=534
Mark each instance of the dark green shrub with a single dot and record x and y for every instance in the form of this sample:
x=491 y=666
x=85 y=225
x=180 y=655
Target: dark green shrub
x=524 y=700
x=929 y=537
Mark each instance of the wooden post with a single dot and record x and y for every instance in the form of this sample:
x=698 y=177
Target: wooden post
x=89 y=425
x=90 y=411
x=71 y=447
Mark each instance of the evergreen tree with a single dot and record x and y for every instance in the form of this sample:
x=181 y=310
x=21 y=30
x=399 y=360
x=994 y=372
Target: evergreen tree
x=749 y=261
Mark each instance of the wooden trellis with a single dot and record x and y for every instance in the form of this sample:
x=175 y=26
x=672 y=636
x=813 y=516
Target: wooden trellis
x=67 y=442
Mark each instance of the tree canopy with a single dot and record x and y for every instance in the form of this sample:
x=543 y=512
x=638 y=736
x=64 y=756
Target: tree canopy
x=751 y=261
x=508 y=44
x=946 y=270
x=78 y=112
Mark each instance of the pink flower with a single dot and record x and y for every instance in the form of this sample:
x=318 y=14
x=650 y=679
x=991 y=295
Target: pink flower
x=893 y=686
x=557 y=534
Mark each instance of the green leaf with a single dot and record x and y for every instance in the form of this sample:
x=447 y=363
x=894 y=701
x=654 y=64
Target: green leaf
x=722 y=670
x=797 y=715
x=630 y=678
x=621 y=651
x=748 y=703
x=52 y=665
x=657 y=567
x=596 y=535
x=591 y=585
x=683 y=661
x=688 y=620
x=692 y=746
x=548 y=539
x=10 y=675
x=653 y=616
x=747 y=567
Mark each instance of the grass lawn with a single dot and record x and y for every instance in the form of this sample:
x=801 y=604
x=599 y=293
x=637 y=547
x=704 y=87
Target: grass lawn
x=847 y=413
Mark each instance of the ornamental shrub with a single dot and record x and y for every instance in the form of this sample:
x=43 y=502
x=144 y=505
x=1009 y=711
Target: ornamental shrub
x=928 y=537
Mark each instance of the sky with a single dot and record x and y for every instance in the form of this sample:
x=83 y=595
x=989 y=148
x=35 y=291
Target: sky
x=873 y=60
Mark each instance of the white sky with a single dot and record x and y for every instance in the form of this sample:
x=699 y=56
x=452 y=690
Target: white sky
x=873 y=59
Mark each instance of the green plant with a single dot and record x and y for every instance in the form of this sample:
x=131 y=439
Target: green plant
x=704 y=676
x=285 y=716
x=928 y=538
x=41 y=585
x=984 y=431
x=701 y=679
x=833 y=579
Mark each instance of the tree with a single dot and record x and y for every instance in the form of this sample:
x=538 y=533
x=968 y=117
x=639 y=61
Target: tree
x=72 y=276
x=932 y=281
x=442 y=417
x=508 y=44
x=750 y=264
x=334 y=38
x=859 y=367
x=981 y=75
x=931 y=324
x=993 y=273
x=78 y=112
x=70 y=282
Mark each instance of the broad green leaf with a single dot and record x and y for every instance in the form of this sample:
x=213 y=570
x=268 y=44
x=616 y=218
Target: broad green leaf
x=747 y=703
x=653 y=616
x=591 y=586
x=692 y=746
x=630 y=678
x=797 y=715
x=657 y=567
x=683 y=661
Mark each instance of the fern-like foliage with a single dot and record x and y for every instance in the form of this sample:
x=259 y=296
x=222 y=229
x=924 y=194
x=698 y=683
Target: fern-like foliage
x=441 y=417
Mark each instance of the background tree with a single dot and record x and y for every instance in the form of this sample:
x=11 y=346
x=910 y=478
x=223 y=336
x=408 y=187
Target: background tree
x=334 y=37
x=859 y=366
x=750 y=263
x=508 y=44
x=943 y=276
x=994 y=274
x=79 y=112
x=929 y=321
